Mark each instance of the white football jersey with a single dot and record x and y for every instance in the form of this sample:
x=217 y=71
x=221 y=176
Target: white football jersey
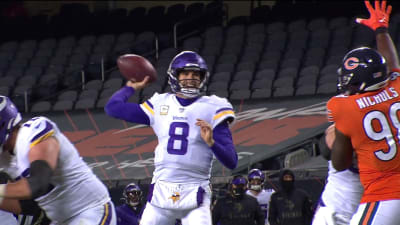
x=181 y=154
x=263 y=199
x=343 y=191
x=76 y=188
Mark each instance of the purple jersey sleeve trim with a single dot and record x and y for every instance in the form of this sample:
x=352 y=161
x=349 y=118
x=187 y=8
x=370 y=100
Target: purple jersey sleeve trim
x=223 y=147
x=119 y=108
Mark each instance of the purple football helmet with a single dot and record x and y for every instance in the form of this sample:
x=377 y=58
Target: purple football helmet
x=9 y=118
x=256 y=174
x=238 y=186
x=187 y=60
x=132 y=194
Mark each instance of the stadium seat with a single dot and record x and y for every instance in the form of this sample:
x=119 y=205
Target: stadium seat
x=114 y=83
x=239 y=85
x=194 y=9
x=265 y=83
x=88 y=94
x=261 y=93
x=256 y=28
x=317 y=24
x=243 y=75
x=62 y=105
x=42 y=106
x=86 y=103
x=283 y=92
x=240 y=94
x=307 y=89
x=327 y=88
x=275 y=27
x=221 y=76
x=8 y=81
x=218 y=86
x=94 y=85
x=296 y=158
x=71 y=95
x=4 y=90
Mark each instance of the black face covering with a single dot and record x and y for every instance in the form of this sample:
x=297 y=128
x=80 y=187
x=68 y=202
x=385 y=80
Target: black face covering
x=238 y=192
x=287 y=186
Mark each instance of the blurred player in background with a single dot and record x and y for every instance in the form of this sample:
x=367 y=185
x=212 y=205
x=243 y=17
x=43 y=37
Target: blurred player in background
x=46 y=167
x=236 y=207
x=256 y=189
x=289 y=205
x=342 y=192
x=130 y=212
x=367 y=119
x=191 y=129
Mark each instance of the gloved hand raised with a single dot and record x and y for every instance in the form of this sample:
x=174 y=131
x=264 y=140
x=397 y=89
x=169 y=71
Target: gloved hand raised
x=379 y=17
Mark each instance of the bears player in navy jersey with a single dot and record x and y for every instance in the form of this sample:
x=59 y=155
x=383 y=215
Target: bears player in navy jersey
x=191 y=129
x=47 y=168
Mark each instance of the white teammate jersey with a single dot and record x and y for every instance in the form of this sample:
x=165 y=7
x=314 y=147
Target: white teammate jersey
x=263 y=199
x=343 y=191
x=181 y=155
x=76 y=188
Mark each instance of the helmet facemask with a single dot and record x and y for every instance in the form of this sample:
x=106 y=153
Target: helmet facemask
x=132 y=195
x=363 y=69
x=187 y=61
x=256 y=179
x=9 y=119
x=238 y=187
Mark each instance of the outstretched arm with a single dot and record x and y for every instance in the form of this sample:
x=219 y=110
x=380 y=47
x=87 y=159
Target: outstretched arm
x=387 y=48
x=119 y=108
x=379 y=23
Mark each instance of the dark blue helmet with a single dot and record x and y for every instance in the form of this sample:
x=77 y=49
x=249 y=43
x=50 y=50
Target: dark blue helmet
x=238 y=186
x=9 y=118
x=132 y=194
x=187 y=60
x=253 y=175
x=363 y=69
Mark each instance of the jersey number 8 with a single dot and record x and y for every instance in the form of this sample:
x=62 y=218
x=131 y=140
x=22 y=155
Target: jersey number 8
x=177 y=141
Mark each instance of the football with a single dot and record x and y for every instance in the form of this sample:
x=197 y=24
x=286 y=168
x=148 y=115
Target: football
x=136 y=67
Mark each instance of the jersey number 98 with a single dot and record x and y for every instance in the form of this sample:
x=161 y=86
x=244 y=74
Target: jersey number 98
x=177 y=141
x=385 y=132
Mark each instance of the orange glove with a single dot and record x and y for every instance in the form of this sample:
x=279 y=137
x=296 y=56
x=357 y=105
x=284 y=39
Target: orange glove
x=378 y=17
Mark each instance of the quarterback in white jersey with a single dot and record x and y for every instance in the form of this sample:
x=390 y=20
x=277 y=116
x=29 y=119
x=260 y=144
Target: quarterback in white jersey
x=48 y=169
x=191 y=129
x=341 y=195
x=256 y=180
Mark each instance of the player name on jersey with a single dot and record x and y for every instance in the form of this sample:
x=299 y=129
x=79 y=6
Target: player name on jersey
x=382 y=96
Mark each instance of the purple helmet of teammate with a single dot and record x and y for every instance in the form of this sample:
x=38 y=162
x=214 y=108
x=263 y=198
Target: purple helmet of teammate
x=258 y=176
x=187 y=60
x=9 y=118
x=238 y=186
x=132 y=194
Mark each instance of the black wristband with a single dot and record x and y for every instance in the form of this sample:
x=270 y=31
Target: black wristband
x=381 y=30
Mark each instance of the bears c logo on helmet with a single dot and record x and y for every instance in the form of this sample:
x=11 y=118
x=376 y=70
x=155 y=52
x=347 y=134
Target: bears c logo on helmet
x=351 y=63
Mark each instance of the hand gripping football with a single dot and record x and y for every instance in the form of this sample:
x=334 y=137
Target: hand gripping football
x=136 y=67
